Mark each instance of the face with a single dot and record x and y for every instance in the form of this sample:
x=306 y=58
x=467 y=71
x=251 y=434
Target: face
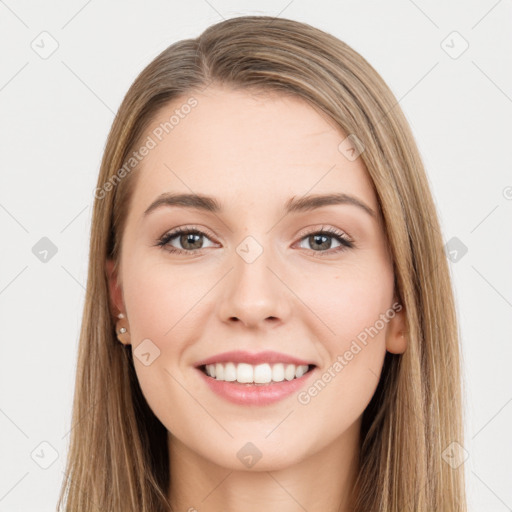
x=266 y=271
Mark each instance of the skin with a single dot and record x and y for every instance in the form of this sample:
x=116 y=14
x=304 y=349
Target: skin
x=254 y=152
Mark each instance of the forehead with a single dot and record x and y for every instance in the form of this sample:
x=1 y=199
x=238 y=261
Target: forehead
x=247 y=148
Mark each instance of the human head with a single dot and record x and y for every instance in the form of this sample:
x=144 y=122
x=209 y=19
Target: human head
x=407 y=412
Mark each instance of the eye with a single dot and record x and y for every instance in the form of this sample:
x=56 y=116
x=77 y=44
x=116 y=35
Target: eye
x=190 y=239
x=321 y=241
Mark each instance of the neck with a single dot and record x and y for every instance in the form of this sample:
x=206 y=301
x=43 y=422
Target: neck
x=322 y=481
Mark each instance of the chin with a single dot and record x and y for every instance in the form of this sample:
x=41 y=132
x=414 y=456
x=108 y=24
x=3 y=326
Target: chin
x=256 y=456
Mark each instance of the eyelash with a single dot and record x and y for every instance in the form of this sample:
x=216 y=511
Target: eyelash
x=340 y=236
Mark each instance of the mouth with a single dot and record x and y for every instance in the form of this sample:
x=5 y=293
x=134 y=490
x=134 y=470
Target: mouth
x=264 y=374
x=257 y=385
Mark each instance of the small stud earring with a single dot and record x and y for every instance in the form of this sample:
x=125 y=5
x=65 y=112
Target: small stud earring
x=120 y=315
x=122 y=330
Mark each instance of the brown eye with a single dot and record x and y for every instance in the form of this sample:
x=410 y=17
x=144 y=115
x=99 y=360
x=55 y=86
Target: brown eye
x=322 y=241
x=189 y=240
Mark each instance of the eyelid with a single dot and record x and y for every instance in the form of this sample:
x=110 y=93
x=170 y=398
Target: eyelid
x=190 y=227
x=331 y=231
x=301 y=234
x=326 y=228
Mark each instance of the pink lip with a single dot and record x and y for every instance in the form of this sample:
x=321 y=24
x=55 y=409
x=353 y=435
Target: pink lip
x=255 y=394
x=239 y=356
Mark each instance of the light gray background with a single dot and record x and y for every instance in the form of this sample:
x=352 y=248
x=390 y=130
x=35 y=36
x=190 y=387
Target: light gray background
x=55 y=114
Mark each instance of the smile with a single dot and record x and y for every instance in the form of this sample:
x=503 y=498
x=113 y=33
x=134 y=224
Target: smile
x=265 y=373
x=242 y=391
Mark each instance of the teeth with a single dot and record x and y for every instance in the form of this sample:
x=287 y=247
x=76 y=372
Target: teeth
x=229 y=372
x=257 y=374
x=244 y=373
x=262 y=374
x=289 y=372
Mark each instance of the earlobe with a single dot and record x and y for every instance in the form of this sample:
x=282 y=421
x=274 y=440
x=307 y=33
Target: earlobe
x=116 y=304
x=396 y=333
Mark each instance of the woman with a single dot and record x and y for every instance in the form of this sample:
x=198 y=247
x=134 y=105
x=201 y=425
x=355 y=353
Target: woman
x=269 y=321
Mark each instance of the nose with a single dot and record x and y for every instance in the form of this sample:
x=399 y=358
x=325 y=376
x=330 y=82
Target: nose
x=255 y=294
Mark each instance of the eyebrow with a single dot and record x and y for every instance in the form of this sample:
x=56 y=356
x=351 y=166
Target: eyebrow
x=293 y=205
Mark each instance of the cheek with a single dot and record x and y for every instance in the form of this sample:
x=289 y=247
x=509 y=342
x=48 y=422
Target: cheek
x=348 y=301
x=342 y=391
x=350 y=324
x=162 y=305
x=160 y=300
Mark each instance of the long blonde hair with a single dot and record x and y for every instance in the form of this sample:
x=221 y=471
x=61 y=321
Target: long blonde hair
x=118 y=459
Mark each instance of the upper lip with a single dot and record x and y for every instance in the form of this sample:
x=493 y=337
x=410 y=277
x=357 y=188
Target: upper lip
x=239 y=356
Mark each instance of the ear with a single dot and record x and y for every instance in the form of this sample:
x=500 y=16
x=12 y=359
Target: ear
x=115 y=291
x=396 y=333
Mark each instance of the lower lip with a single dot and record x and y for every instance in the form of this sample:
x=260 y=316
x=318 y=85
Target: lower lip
x=252 y=394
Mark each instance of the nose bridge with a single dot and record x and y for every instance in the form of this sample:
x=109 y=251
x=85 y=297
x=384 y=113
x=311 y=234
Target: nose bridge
x=254 y=293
